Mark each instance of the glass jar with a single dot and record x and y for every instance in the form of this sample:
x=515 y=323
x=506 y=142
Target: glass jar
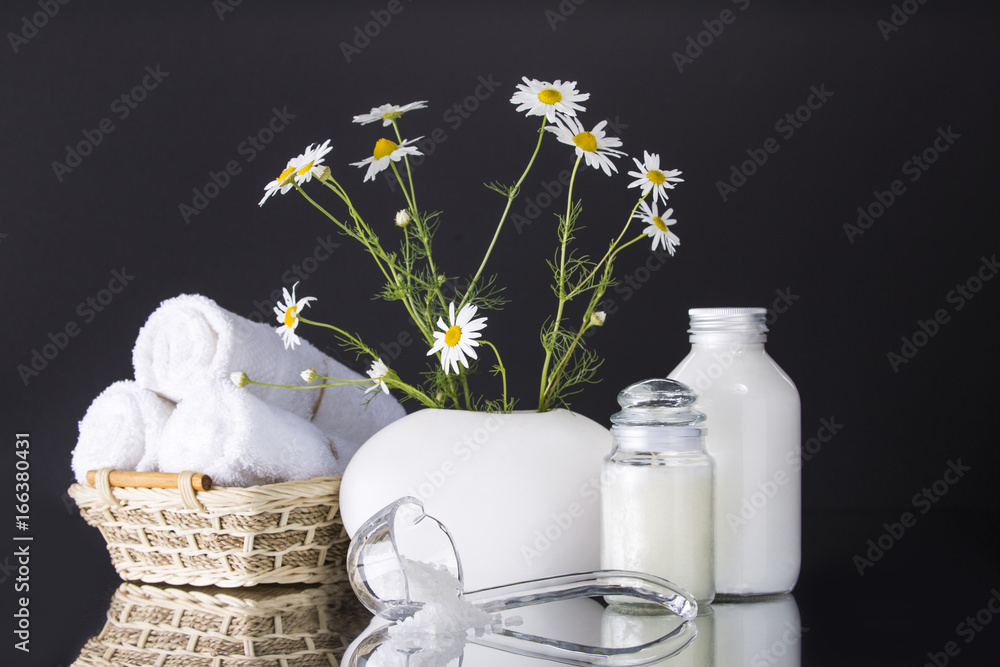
x=657 y=489
x=754 y=411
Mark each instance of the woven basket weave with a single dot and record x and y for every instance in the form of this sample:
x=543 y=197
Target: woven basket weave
x=283 y=533
x=265 y=626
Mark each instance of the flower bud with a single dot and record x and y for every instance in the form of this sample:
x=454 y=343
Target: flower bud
x=597 y=318
x=324 y=174
x=309 y=375
x=240 y=379
x=402 y=218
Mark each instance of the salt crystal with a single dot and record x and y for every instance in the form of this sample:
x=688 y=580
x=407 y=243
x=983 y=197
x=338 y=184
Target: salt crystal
x=438 y=632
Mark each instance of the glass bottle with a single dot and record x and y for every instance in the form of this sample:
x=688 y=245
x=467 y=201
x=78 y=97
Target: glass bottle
x=754 y=411
x=657 y=489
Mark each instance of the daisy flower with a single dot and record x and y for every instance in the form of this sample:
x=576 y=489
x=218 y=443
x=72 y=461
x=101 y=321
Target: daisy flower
x=386 y=150
x=541 y=98
x=300 y=169
x=287 y=313
x=595 y=147
x=309 y=163
x=658 y=227
x=378 y=373
x=388 y=113
x=457 y=338
x=651 y=177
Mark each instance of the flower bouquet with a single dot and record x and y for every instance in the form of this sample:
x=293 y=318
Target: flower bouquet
x=448 y=313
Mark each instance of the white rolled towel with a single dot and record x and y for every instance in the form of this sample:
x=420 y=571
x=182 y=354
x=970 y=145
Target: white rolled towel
x=343 y=414
x=190 y=340
x=238 y=439
x=120 y=429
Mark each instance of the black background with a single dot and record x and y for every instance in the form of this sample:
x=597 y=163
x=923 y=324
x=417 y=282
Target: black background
x=852 y=299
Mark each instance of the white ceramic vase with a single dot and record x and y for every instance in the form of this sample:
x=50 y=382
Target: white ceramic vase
x=519 y=493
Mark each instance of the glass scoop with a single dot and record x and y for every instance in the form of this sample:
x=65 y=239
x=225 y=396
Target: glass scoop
x=392 y=549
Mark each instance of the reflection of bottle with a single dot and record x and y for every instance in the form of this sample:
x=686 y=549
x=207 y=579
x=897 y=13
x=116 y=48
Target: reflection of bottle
x=754 y=419
x=758 y=634
x=657 y=489
x=634 y=625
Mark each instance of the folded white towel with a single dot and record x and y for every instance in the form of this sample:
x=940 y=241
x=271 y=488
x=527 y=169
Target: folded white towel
x=190 y=340
x=239 y=440
x=119 y=430
x=343 y=414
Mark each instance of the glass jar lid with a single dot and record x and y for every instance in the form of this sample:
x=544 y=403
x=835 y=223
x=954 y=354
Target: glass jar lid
x=658 y=402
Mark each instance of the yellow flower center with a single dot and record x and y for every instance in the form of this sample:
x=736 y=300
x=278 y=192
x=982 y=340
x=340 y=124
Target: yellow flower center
x=453 y=335
x=549 y=96
x=391 y=115
x=658 y=221
x=383 y=148
x=586 y=141
x=285 y=174
x=656 y=176
x=307 y=167
x=290 y=317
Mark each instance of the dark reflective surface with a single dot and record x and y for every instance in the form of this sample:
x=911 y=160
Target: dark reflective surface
x=934 y=594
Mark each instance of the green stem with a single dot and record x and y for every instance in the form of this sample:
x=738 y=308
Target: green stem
x=503 y=371
x=511 y=195
x=610 y=254
x=338 y=383
x=409 y=174
x=561 y=282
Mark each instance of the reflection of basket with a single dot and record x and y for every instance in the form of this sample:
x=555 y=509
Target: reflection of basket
x=266 y=626
x=283 y=533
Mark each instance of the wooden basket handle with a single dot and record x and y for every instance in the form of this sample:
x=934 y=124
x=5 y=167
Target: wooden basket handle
x=151 y=480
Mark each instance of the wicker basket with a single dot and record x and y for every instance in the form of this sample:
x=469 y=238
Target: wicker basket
x=283 y=533
x=265 y=626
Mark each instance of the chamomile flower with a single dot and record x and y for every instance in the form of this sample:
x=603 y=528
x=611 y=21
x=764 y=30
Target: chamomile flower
x=311 y=161
x=378 y=373
x=386 y=150
x=300 y=169
x=650 y=177
x=402 y=218
x=288 y=315
x=541 y=98
x=658 y=228
x=456 y=339
x=595 y=147
x=388 y=113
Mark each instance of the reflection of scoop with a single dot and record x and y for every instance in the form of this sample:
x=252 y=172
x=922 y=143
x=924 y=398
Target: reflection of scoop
x=380 y=567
